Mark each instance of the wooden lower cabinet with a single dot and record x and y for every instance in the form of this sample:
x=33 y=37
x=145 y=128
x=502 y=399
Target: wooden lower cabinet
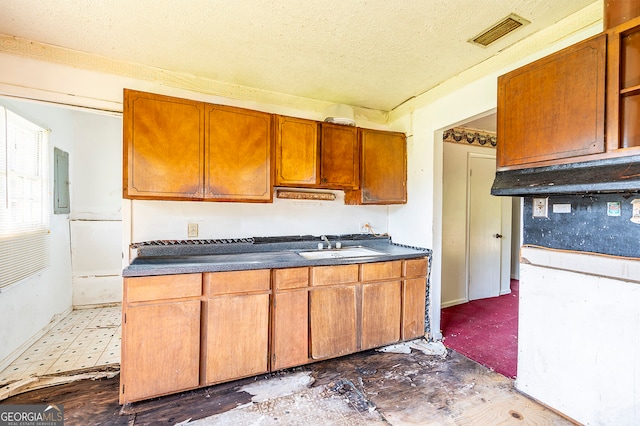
x=413 y=308
x=184 y=331
x=381 y=306
x=160 y=336
x=332 y=316
x=290 y=318
x=381 y=303
x=414 y=295
x=333 y=310
x=235 y=325
x=237 y=336
x=290 y=343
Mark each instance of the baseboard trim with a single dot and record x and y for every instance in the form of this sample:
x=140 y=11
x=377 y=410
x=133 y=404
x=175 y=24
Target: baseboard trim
x=23 y=347
x=453 y=303
x=97 y=305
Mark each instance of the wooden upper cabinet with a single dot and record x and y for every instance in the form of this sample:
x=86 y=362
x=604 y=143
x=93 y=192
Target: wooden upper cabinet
x=163 y=147
x=623 y=87
x=317 y=155
x=238 y=155
x=296 y=152
x=339 y=154
x=383 y=169
x=554 y=108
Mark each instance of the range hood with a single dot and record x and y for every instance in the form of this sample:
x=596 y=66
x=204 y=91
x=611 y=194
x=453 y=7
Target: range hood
x=615 y=175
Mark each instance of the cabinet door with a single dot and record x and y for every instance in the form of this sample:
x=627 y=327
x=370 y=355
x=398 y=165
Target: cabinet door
x=290 y=342
x=238 y=155
x=623 y=87
x=340 y=160
x=554 y=108
x=383 y=169
x=413 y=308
x=160 y=349
x=332 y=313
x=381 y=305
x=237 y=336
x=163 y=147
x=296 y=152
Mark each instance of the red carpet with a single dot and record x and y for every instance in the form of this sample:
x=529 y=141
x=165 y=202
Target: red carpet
x=485 y=330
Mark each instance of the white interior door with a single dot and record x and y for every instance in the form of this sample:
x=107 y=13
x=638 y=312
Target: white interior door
x=485 y=228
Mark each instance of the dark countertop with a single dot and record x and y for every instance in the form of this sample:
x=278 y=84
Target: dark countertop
x=196 y=256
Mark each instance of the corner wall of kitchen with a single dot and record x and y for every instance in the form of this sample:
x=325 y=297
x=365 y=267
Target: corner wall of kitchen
x=27 y=306
x=472 y=94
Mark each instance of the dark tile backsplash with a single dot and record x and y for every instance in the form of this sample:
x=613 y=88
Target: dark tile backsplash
x=587 y=227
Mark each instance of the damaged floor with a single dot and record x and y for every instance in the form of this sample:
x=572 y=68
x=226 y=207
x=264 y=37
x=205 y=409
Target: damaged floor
x=367 y=388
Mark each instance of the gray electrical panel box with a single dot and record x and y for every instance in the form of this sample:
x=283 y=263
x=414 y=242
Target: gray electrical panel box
x=61 y=202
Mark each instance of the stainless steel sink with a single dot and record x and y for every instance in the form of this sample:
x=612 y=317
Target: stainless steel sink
x=357 y=251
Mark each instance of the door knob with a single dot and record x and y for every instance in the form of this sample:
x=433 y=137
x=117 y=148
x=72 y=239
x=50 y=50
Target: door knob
x=498 y=235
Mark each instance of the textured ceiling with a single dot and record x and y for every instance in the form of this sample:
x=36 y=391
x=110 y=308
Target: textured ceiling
x=367 y=53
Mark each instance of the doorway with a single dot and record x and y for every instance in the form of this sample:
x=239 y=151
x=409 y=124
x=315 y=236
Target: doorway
x=471 y=219
x=479 y=298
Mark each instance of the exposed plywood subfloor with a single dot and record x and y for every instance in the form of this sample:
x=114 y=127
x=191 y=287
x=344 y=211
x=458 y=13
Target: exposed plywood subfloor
x=362 y=389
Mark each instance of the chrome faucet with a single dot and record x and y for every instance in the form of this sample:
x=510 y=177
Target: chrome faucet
x=324 y=238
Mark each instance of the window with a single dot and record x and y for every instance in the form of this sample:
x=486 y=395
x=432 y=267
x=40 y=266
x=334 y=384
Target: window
x=24 y=198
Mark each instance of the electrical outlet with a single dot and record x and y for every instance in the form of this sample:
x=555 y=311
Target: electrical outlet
x=541 y=207
x=365 y=227
x=192 y=230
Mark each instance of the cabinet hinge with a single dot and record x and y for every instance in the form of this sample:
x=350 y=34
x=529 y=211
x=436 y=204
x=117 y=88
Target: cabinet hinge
x=124 y=321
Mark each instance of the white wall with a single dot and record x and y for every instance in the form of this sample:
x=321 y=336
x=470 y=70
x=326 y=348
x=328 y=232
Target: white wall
x=420 y=221
x=86 y=257
x=578 y=346
x=167 y=220
x=29 y=305
x=96 y=209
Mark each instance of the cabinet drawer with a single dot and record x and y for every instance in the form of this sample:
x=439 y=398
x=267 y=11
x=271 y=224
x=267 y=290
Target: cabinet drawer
x=236 y=282
x=139 y=289
x=381 y=271
x=332 y=275
x=415 y=268
x=290 y=278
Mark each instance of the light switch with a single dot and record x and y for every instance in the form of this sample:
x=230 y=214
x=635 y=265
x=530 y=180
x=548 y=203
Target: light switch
x=192 y=230
x=541 y=207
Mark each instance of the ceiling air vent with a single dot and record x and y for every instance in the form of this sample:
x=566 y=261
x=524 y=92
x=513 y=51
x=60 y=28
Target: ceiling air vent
x=499 y=30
